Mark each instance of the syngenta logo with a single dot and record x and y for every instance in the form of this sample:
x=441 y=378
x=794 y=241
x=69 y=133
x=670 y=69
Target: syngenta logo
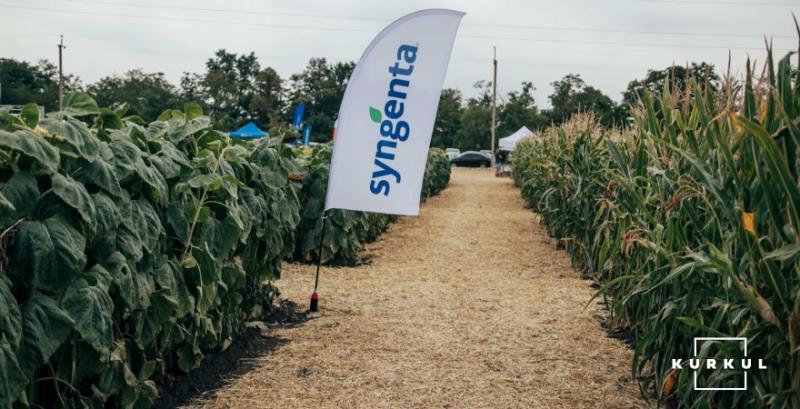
x=726 y=374
x=393 y=128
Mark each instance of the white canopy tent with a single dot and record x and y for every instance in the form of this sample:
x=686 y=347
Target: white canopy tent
x=510 y=142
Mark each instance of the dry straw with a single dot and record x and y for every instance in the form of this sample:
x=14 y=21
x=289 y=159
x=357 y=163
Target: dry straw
x=467 y=306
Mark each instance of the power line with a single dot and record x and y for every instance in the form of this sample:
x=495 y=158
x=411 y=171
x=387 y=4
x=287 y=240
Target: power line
x=721 y=3
x=620 y=43
x=218 y=10
x=287 y=26
x=455 y=59
x=621 y=31
x=270 y=57
x=221 y=44
x=191 y=20
x=357 y=47
x=385 y=20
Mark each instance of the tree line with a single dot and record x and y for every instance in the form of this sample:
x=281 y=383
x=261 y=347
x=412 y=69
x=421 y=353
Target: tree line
x=235 y=89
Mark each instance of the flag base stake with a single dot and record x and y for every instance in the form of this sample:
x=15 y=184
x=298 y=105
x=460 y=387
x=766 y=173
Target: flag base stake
x=314 y=302
x=314 y=306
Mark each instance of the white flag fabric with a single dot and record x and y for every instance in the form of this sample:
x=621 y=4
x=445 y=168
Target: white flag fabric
x=387 y=115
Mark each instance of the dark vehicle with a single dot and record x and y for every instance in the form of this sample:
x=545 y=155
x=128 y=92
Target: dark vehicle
x=472 y=159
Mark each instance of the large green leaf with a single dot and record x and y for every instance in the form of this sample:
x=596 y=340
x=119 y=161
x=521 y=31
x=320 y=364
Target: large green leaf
x=127 y=157
x=80 y=104
x=5 y=205
x=169 y=277
x=221 y=236
x=189 y=128
x=113 y=379
x=189 y=357
x=89 y=305
x=169 y=150
x=10 y=316
x=168 y=168
x=108 y=119
x=142 y=286
x=73 y=137
x=30 y=115
x=164 y=308
x=12 y=379
x=151 y=176
x=45 y=326
x=129 y=244
x=49 y=252
x=121 y=280
x=178 y=221
x=208 y=266
x=34 y=146
x=22 y=192
x=75 y=195
x=169 y=115
x=206 y=181
x=10 y=122
x=192 y=110
x=108 y=217
x=208 y=298
x=145 y=223
x=134 y=287
x=101 y=174
x=121 y=108
x=233 y=275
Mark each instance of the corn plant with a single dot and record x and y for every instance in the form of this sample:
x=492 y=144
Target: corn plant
x=689 y=220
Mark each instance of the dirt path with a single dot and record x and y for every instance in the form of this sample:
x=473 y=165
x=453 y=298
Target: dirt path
x=467 y=306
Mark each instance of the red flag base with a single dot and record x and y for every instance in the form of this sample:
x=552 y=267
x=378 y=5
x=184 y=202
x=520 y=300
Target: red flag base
x=314 y=302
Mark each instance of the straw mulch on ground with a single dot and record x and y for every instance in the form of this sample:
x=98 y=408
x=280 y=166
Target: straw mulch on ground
x=467 y=306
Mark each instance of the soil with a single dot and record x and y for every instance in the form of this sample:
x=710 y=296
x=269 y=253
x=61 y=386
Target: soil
x=469 y=305
x=217 y=369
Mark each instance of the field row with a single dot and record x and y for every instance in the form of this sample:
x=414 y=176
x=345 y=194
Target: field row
x=690 y=222
x=128 y=250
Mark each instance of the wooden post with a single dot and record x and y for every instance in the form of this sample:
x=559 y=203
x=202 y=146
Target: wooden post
x=60 y=75
x=494 y=107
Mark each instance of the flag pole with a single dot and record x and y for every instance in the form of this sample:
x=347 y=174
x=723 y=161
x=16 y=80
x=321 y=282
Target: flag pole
x=314 y=307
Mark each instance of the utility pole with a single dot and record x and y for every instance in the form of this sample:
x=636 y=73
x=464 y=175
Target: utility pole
x=494 y=106
x=60 y=75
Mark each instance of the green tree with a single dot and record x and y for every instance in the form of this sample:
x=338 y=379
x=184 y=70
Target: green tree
x=267 y=102
x=228 y=88
x=677 y=77
x=147 y=94
x=22 y=83
x=571 y=95
x=475 y=131
x=484 y=89
x=476 y=120
x=320 y=87
x=235 y=90
x=518 y=110
x=191 y=88
x=448 y=119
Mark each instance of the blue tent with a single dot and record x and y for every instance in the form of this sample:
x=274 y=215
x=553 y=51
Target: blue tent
x=249 y=131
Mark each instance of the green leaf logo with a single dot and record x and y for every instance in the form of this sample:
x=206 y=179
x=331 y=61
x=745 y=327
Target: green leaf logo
x=375 y=115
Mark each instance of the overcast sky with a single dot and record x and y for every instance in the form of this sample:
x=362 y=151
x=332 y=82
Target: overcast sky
x=607 y=42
